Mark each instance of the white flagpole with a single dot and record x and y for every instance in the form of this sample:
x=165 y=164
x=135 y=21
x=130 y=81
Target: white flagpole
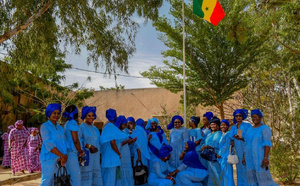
x=183 y=38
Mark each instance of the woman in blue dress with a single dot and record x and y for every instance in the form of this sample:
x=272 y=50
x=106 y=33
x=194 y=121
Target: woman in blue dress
x=126 y=167
x=156 y=138
x=191 y=172
x=224 y=147
x=89 y=136
x=178 y=136
x=195 y=133
x=54 y=146
x=256 y=153
x=74 y=147
x=239 y=143
x=160 y=168
x=111 y=141
x=212 y=141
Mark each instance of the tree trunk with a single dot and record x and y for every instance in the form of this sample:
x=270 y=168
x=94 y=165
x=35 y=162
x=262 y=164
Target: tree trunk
x=221 y=109
x=28 y=22
x=296 y=85
x=291 y=110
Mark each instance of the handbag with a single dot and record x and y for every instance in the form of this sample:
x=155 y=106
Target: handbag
x=62 y=178
x=232 y=157
x=140 y=174
x=85 y=159
x=209 y=154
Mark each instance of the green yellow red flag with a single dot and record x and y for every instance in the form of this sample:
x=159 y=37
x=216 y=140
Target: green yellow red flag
x=210 y=10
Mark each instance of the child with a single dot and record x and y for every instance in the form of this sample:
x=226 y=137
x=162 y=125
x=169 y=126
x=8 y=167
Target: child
x=5 y=146
x=34 y=143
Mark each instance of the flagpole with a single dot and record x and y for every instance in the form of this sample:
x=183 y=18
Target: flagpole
x=184 y=88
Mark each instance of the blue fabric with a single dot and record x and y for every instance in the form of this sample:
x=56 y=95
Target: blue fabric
x=140 y=122
x=70 y=116
x=244 y=113
x=208 y=115
x=148 y=126
x=86 y=109
x=131 y=119
x=191 y=158
x=226 y=168
x=141 y=144
x=109 y=176
x=214 y=168
x=171 y=125
x=239 y=147
x=215 y=120
x=111 y=115
x=164 y=151
x=225 y=121
x=91 y=174
x=255 y=141
x=73 y=168
x=120 y=120
x=49 y=168
x=52 y=136
x=158 y=172
x=109 y=157
x=51 y=108
x=178 y=138
x=191 y=177
x=71 y=126
x=257 y=112
x=195 y=135
x=195 y=119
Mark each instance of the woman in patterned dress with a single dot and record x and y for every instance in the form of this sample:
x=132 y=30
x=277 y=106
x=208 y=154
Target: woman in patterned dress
x=5 y=147
x=34 y=143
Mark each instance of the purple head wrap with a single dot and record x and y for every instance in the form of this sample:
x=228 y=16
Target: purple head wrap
x=18 y=122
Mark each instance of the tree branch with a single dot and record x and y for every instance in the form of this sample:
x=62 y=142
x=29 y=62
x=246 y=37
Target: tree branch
x=21 y=27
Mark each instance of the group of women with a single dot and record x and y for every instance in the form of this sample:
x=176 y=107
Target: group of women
x=125 y=143
x=21 y=148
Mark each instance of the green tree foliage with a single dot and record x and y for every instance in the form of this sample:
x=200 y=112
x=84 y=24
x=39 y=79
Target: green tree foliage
x=216 y=57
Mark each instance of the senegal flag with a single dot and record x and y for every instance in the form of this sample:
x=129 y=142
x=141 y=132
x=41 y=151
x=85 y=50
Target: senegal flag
x=210 y=10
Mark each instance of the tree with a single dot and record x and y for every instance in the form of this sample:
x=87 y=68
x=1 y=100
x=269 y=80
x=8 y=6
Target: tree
x=216 y=57
x=107 y=29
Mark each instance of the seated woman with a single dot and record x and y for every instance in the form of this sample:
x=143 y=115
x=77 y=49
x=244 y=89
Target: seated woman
x=178 y=136
x=160 y=169
x=191 y=171
x=256 y=153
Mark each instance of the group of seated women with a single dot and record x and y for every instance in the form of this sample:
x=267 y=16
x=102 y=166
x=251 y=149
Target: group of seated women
x=125 y=143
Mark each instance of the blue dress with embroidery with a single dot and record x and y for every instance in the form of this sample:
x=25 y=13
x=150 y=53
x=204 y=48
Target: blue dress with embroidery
x=239 y=145
x=256 y=140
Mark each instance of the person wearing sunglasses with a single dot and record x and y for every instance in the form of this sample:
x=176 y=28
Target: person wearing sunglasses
x=238 y=132
x=257 y=148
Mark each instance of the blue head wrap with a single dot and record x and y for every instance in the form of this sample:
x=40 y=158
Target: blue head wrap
x=140 y=122
x=244 y=113
x=120 y=120
x=70 y=116
x=111 y=115
x=195 y=119
x=191 y=158
x=51 y=108
x=171 y=125
x=148 y=126
x=226 y=122
x=86 y=109
x=130 y=119
x=164 y=151
x=208 y=115
x=257 y=112
x=215 y=120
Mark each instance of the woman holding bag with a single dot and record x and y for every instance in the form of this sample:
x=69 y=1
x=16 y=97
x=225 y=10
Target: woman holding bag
x=224 y=147
x=89 y=135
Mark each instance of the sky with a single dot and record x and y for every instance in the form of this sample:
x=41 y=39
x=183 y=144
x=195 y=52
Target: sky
x=148 y=53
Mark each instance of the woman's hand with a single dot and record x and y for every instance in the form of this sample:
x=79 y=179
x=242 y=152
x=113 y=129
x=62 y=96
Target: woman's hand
x=265 y=162
x=232 y=143
x=63 y=160
x=93 y=149
x=217 y=155
x=149 y=137
x=238 y=138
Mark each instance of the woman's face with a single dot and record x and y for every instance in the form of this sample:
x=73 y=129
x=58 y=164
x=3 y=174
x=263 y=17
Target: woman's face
x=130 y=125
x=192 y=124
x=256 y=119
x=19 y=127
x=34 y=133
x=224 y=127
x=153 y=125
x=214 y=127
x=205 y=121
x=54 y=117
x=89 y=118
x=177 y=124
x=239 y=117
x=123 y=126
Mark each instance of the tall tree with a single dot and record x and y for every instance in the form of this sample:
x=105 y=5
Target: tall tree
x=216 y=57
